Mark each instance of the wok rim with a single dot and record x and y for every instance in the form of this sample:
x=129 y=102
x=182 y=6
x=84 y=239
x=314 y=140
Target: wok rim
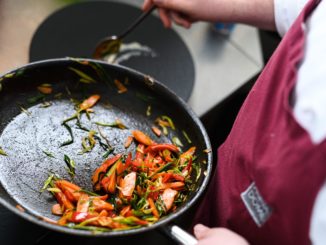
x=163 y=221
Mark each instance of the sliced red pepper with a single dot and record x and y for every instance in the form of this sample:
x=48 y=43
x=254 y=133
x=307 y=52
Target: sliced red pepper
x=149 y=160
x=70 y=196
x=167 y=155
x=104 y=167
x=187 y=168
x=128 y=160
x=70 y=190
x=125 y=210
x=56 y=209
x=142 y=137
x=158 y=160
x=65 y=217
x=67 y=184
x=153 y=207
x=120 y=167
x=78 y=217
x=128 y=141
x=100 y=205
x=156 y=131
x=162 y=147
x=83 y=203
x=89 y=102
x=112 y=182
x=187 y=155
x=63 y=200
x=166 y=177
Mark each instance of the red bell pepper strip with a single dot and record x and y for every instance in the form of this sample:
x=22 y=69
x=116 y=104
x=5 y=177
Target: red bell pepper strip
x=103 y=168
x=187 y=155
x=162 y=147
x=125 y=210
x=156 y=131
x=78 y=217
x=98 y=205
x=83 y=203
x=63 y=200
x=153 y=207
x=168 y=197
x=142 y=137
x=89 y=102
x=56 y=209
x=128 y=141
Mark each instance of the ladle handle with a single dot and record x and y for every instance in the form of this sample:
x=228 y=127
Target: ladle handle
x=136 y=22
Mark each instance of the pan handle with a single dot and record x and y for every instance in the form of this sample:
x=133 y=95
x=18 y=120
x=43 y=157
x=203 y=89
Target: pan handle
x=179 y=235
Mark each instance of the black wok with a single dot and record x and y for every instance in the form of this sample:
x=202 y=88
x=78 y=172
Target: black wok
x=28 y=131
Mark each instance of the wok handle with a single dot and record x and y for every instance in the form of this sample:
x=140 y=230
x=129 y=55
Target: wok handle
x=179 y=235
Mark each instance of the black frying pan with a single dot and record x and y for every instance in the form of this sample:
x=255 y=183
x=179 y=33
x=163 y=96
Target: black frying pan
x=28 y=130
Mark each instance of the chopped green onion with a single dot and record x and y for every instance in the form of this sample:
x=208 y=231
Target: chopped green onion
x=198 y=170
x=143 y=97
x=49 y=154
x=67 y=90
x=25 y=111
x=48 y=182
x=71 y=165
x=116 y=124
x=45 y=104
x=169 y=120
x=58 y=96
x=88 y=228
x=161 y=169
x=91 y=141
x=107 y=153
x=177 y=141
x=88 y=192
x=35 y=99
x=84 y=78
x=68 y=142
x=53 y=190
x=148 y=111
x=186 y=136
x=2 y=152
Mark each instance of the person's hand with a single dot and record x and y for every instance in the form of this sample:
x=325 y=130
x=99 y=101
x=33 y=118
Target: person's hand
x=185 y=12
x=179 y=12
x=217 y=236
x=259 y=13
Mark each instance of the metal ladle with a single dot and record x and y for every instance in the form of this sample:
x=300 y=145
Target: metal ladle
x=111 y=45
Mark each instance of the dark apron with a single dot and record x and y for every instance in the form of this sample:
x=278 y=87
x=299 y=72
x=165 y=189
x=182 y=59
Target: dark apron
x=269 y=172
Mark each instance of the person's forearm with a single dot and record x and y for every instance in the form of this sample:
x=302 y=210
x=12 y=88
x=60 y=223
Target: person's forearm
x=258 y=13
